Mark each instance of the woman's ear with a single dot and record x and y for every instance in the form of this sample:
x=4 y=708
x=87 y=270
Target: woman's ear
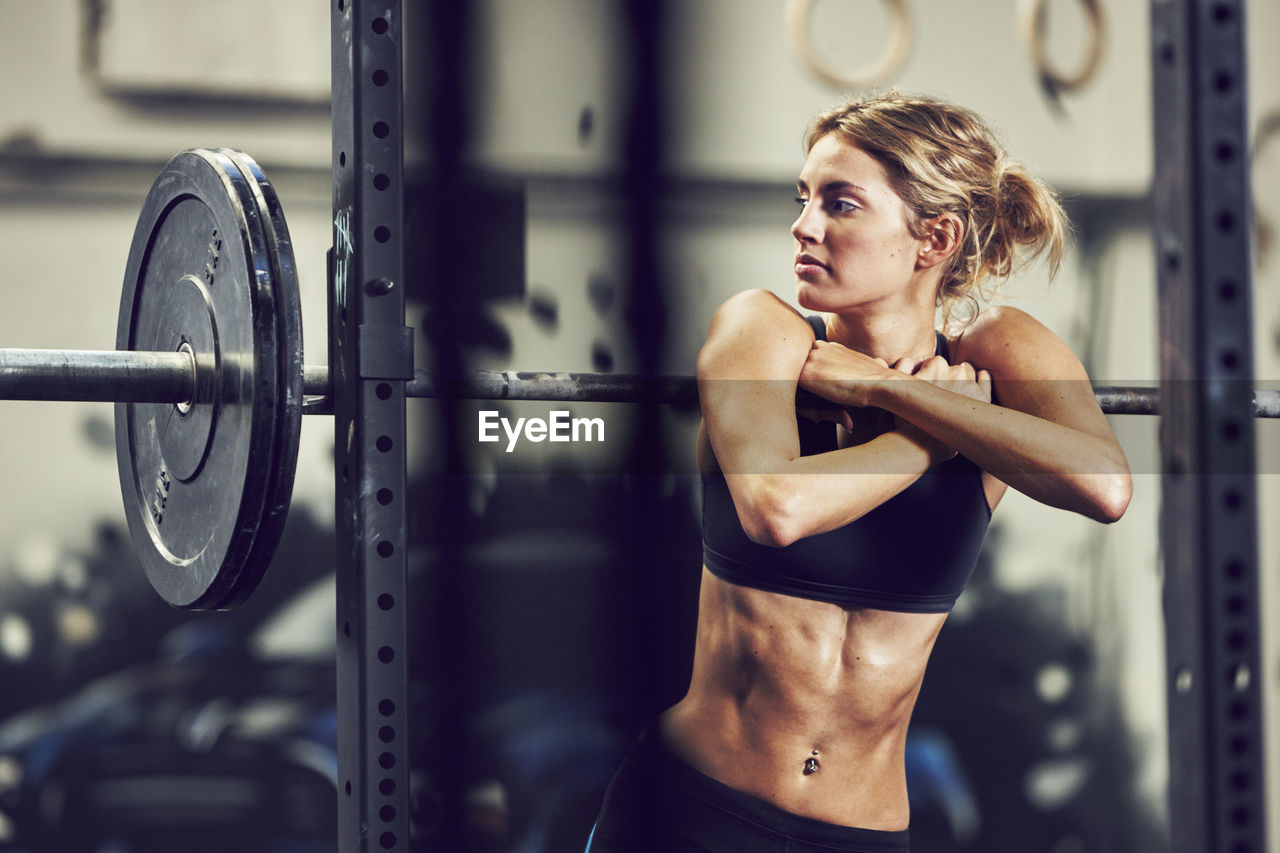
x=942 y=239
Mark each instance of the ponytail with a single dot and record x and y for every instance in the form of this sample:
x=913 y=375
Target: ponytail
x=1029 y=215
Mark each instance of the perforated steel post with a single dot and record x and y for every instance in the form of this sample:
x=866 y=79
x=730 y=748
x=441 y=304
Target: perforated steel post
x=371 y=357
x=1208 y=516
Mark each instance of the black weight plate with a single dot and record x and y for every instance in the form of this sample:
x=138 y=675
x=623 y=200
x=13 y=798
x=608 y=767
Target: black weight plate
x=289 y=363
x=206 y=487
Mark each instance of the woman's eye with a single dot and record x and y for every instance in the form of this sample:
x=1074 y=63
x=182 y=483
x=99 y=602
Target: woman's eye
x=801 y=200
x=842 y=205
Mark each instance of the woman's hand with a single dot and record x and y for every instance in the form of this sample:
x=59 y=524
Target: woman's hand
x=845 y=377
x=959 y=378
x=849 y=379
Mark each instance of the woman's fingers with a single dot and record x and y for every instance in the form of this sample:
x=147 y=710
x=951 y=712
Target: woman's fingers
x=961 y=378
x=907 y=364
x=984 y=382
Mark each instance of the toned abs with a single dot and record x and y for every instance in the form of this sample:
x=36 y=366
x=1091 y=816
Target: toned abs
x=802 y=703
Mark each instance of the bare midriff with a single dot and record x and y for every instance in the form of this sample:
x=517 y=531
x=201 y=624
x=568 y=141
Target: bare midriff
x=803 y=704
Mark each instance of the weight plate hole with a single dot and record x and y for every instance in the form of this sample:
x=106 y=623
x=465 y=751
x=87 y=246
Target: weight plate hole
x=185 y=407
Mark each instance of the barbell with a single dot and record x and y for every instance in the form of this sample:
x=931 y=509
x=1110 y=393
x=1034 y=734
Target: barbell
x=210 y=386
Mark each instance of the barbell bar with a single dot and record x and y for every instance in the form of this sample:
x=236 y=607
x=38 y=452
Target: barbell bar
x=209 y=384
x=171 y=377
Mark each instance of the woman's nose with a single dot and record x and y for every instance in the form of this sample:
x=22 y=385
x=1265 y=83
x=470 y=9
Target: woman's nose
x=807 y=228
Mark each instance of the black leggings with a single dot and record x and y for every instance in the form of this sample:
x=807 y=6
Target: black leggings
x=658 y=804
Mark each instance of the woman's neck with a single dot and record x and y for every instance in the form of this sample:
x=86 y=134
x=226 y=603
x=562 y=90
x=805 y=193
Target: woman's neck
x=889 y=337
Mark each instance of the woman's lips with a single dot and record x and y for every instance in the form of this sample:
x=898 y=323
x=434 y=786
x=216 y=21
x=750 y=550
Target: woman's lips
x=809 y=265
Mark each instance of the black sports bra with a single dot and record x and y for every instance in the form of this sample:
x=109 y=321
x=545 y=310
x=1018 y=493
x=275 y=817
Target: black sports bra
x=914 y=553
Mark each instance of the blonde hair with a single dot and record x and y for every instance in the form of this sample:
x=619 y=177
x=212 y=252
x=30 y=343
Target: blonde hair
x=942 y=158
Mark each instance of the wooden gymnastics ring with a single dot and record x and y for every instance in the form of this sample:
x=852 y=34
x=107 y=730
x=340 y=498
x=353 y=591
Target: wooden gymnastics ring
x=798 y=15
x=1031 y=25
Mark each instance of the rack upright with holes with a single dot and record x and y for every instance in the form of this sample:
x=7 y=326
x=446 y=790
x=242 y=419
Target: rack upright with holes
x=371 y=356
x=1207 y=432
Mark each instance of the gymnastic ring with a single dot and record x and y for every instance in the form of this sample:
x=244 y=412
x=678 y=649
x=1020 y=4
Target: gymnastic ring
x=1031 y=24
x=1268 y=129
x=798 y=16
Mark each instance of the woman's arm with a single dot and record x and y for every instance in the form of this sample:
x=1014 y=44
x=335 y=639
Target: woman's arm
x=1047 y=437
x=747 y=374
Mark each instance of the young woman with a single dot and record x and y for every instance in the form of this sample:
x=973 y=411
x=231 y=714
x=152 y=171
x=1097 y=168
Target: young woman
x=833 y=550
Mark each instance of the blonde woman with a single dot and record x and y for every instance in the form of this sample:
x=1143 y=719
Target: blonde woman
x=833 y=550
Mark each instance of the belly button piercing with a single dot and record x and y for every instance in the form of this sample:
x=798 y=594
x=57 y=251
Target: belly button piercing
x=811 y=764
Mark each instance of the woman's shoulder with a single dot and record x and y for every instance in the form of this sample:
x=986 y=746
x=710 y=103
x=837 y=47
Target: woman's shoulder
x=756 y=330
x=763 y=316
x=755 y=305
x=1010 y=341
x=997 y=324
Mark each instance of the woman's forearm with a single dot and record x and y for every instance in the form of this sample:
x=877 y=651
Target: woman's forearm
x=808 y=495
x=1057 y=465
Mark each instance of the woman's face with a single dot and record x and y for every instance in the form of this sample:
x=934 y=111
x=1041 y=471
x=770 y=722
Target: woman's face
x=853 y=246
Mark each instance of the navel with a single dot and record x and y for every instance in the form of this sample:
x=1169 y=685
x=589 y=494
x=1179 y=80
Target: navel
x=811 y=764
